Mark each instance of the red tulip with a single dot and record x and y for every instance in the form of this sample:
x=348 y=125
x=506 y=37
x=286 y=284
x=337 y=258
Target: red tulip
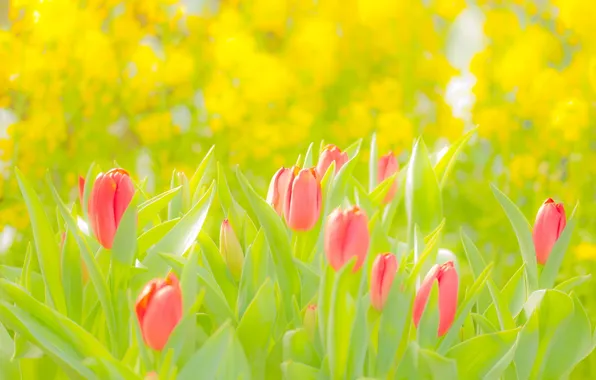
x=387 y=167
x=448 y=287
x=276 y=196
x=383 y=273
x=346 y=236
x=329 y=154
x=112 y=192
x=81 y=189
x=303 y=200
x=159 y=309
x=550 y=223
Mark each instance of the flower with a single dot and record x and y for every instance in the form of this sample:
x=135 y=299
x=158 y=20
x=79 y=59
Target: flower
x=329 y=154
x=550 y=222
x=112 y=192
x=383 y=273
x=346 y=236
x=446 y=276
x=231 y=249
x=276 y=196
x=387 y=167
x=303 y=200
x=159 y=309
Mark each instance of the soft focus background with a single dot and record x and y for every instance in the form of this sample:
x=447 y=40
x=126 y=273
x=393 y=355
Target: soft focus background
x=152 y=85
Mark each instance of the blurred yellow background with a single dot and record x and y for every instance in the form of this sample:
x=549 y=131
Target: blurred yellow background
x=153 y=84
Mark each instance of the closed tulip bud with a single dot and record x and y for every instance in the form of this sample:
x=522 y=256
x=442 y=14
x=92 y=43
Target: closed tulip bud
x=111 y=195
x=231 y=249
x=159 y=309
x=303 y=200
x=346 y=236
x=278 y=188
x=387 y=167
x=81 y=189
x=329 y=154
x=448 y=281
x=550 y=223
x=152 y=376
x=310 y=320
x=383 y=273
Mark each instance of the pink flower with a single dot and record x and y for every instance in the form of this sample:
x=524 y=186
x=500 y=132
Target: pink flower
x=329 y=154
x=303 y=200
x=550 y=223
x=276 y=196
x=383 y=273
x=448 y=281
x=387 y=167
x=346 y=236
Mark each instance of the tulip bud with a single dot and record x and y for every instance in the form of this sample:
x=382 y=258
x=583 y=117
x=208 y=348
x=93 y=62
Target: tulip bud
x=231 y=249
x=448 y=288
x=383 y=273
x=303 y=200
x=550 y=223
x=152 y=376
x=346 y=235
x=387 y=167
x=278 y=188
x=329 y=154
x=81 y=189
x=310 y=320
x=111 y=195
x=159 y=309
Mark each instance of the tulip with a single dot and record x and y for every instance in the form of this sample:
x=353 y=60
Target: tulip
x=346 y=236
x=112 y=192
x=383 y=273
x=446 y=276
x=81 y=189
x=550 y=223
x=276 y=196
x=387 y=167
x=159 y=309
x=329 y=154
x=310 y=320
x=303 y=200
x=230 y=249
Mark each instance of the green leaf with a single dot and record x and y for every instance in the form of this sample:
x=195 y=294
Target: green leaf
x=573 y=282
x=179 y=239
x=153 y=235
x=99 y=284
x=555 y=259
x=207 y=360
x=202 y=174
x=279 y=243
x=48 y=254
x=255 y=328
x=523 y=233
x=477 y=264
x=372 y=164
x=219 y=269
x=223 y=190
x=298 y=347
x=298 y=371
x=464 y=309
x=445 y=165
x=437 y=366
x=188 y=281
x=88 y=189
x=429 y=322
x=483 y=322
x=477 y=356
x=424 y=205
x=71 y=277
x=308 y=161
x=150 y=208
x=570 y=345
x=394 y=319
x=254 y=272
x=124 y=248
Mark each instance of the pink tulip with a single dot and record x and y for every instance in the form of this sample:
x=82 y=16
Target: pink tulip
x=303 y=200
x=383 y=273
x=550 y=223
x=329 y=154
x=346 y=236
x=159 y=309
x=112 y=192
x=387 y=167
x=448 y=287
x=276 y=196
x=81 y=189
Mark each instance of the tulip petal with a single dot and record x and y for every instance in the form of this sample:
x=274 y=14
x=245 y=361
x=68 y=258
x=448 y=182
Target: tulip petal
x=448 y=289
x=163 y=313
x=124 y=193
x=423 y=293
x=335 y=232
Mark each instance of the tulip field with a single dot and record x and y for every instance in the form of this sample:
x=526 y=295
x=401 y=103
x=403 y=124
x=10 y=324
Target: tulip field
x=297 y=189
